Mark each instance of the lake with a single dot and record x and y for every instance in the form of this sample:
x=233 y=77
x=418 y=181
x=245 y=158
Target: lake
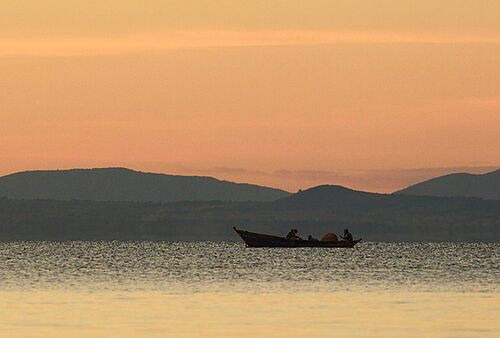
x=224 y=289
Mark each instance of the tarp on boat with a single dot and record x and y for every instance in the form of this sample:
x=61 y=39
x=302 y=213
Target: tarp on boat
x=329 y=237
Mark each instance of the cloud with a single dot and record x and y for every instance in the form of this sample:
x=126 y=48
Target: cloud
x=172 y=40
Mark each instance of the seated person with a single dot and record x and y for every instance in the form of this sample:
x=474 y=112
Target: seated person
x=347 y=236
x=293 y=234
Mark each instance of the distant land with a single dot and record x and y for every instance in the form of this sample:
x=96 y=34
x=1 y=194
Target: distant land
x=485 y=186
x=316 y=211
x=121 y=184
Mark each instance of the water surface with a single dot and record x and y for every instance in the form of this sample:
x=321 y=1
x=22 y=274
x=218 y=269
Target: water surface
x=205 y=288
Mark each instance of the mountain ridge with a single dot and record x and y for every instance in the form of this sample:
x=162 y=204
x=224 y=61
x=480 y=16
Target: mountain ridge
x=316 y=211
x=123 y=184
x=486 y=186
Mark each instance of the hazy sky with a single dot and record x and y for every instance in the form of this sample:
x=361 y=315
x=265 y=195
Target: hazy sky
x=283 y=93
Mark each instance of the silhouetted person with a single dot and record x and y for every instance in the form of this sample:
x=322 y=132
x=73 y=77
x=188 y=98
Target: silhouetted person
x=347 y=236
x=292 y=234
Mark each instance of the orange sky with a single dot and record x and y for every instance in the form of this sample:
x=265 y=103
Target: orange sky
x=284 y=93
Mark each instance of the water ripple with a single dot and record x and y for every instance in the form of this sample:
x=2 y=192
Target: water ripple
x=180 y=267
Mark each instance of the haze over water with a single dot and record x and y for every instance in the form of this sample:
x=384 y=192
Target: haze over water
x=206 y=288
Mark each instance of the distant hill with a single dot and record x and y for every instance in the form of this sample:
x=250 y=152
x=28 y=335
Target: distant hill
x=316 y=211
x=485 y=186
x=343 y=201
x=325 y=196
x=121 y=184
x=323 y=209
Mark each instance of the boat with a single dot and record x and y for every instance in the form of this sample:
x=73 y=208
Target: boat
x=255 y=240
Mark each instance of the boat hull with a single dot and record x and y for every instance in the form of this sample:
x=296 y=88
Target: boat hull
x=255 y=240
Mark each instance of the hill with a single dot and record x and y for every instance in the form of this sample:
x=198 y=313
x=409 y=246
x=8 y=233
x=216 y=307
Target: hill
x=374 y=217
x=121 y=184
x=330 y=196
x=485 y=186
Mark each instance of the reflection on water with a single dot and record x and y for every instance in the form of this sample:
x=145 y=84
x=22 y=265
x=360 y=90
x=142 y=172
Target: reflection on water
x=224 y=289
x=211 y=267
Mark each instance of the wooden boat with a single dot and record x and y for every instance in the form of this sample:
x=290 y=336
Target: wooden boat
x=255 y=240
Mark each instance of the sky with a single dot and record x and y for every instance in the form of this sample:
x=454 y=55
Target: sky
x=373 y=95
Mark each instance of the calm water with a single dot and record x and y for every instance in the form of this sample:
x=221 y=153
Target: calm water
x=135 y=288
